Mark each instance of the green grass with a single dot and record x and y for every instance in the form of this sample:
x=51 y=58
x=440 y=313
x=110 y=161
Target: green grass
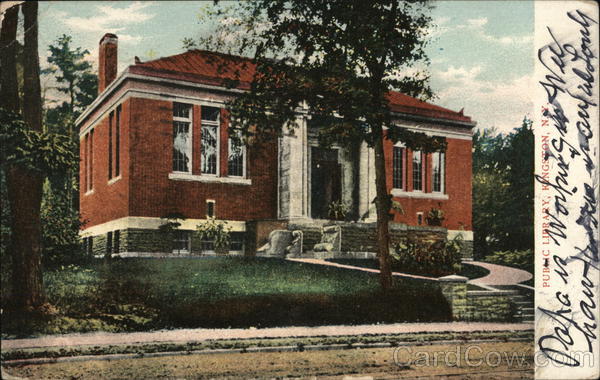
x=471 y=271
x=221 y=292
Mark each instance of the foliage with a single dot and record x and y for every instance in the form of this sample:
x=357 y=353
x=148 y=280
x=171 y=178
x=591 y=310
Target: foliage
x=60 y=208
x=5 y=220
x=172 y=223
x=50 y=154
x=148 y=294
x=60 y=229
x=73 y=74
x=503 y=190
x=337 y=210
x=517 y=259
x=435 y=217
x=217 y=232
x=435 y=259
x=325 y=56
x=44 y=152
x=337 y=60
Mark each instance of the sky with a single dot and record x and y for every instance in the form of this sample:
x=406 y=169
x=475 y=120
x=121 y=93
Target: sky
x=482 y=56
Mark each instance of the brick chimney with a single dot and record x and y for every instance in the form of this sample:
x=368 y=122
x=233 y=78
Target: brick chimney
x=107 y=61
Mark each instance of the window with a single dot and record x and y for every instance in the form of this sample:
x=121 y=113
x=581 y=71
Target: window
x=207 y=246
x=86 y=162
x=419 y=218
x=235 y=161
x=210 y=209
x=110 y=144
x=118 y=142
x=182 y=138
x=210 y=140
x=438 y=164
x=116 y=241
x=398 y=167
x=114 y=143
x=181 y=242
x=417 y=166
x=89 y=161
x=237 y=241
x=89 y=245
x=109 y=242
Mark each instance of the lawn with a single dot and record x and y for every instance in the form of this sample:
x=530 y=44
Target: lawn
x=148 y=294
x=467 y=270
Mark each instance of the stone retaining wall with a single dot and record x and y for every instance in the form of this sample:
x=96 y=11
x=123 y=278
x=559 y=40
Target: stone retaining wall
x=362 y=237
x=476 y=305
x=489 y=306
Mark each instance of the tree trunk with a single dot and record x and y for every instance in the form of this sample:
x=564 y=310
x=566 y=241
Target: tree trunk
x=25 y=185
x=9 y=87
x=382 y=204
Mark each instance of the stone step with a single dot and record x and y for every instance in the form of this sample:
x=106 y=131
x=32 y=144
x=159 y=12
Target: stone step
x=523 y=303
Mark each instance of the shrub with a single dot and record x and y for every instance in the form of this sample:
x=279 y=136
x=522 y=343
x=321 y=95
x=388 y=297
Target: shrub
x=337 y=210
x=219 y=233
x=516 y=259
x=435 y=217
x=436 y=259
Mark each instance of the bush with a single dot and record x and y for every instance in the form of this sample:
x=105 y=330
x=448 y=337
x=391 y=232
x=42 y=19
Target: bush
x=516 y=259
x=440 y=258
x=337 y=210
x=218 y=233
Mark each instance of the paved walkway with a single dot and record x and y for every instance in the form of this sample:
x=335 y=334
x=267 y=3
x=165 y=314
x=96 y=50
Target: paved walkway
x=500 y=275
x=195 y=335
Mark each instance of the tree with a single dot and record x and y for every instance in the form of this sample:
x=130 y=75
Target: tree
x=73 y=74
x=27 y=284
x=503 y=190
x=60 y=206
x=340 y=59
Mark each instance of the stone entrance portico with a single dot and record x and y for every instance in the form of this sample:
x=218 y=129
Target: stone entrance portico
x=349 y=172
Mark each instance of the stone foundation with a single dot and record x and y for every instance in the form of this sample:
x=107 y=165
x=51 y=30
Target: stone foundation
x=148 y=243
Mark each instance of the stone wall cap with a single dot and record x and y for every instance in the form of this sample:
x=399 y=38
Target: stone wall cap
x=453 y=278
x=481 y=293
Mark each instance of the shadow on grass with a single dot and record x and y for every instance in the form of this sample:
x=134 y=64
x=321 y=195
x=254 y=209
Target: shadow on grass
x=221 y=292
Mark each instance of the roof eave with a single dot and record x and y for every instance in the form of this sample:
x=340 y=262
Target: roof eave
x=436 y=120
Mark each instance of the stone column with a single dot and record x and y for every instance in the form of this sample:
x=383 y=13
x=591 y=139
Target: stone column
x=454 y=288
x=366 y=187
x=348 y=158
x=293 y=182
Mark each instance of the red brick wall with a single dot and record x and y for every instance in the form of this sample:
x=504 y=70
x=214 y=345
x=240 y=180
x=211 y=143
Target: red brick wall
x=107 y=62
x=457 y=208
x=146 y=161
x=107 y=201
x=153 y=194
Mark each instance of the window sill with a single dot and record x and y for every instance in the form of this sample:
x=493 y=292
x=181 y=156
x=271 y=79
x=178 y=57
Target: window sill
x=209 y=179
x=418 y=194
x=89 y=192
x=113 y=180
